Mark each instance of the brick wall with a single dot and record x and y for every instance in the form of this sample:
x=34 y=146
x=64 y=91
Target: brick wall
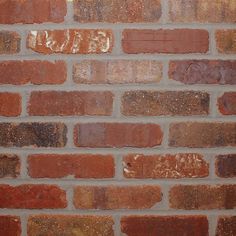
x=117 y=117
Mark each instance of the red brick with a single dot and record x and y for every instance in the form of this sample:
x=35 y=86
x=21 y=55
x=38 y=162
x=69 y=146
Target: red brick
x=80 y=166
x=165 y=41
x=226 y=165
x=203 y=197
x=10 y=104
x=200 y=134
x=117 y=71
x=116 y=197
x=89 y=11
x=71 y=41
x=203 y=71
x=226 y=226
x=34 y=72
x=10 y=225
x=117 y=135
x=62 y=103
x=32 y=11
x=227 y=103
x=32 y=196
x=202 y=11
x=226 y=40
x=9 y=166
x=164 y=225
x=183 y=165
x=33 y=134
x=58 y=225
x=157 y=103
x=9 y=42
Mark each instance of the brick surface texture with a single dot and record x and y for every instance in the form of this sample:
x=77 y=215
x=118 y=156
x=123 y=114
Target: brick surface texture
x=117 y=117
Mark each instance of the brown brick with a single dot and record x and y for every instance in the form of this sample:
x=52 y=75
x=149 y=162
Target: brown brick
x=54 y=103
x=227 y=103
x=68 y=225
x=199 y=134
x=33 y=134
x=32 y=11
x=226 y=165
x=116 y=197
x=10 y=225
x=89 y=11
x=10 y=104
x=226 y=40
x=165 y=41
x=80 y=166
x=164 y=225
x=117 y=135
x=34 y=72
x=71 y=41
x=226 y=226
x=203 y=71
x=9 y=166
x=32 y=196
x=156 y=103
x=195 y=197
x=9 y=42
x=202 y=11
x=117 y=71
x=183 y=165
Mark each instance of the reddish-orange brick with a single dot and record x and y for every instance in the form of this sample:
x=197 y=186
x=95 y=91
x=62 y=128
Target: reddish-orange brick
x=10 y=104
x=10 y=225
x=227 y=103
x=9 y=42
x=117 y=135
x=32 y=196
x=80 y=166
x=181 y=165
x=194 y=197
x=226 y=226
x=35 y=72
x=71 y=41
x=226 y=165
x=226 y=40
x=116 y=197
x=165 y=41
x=62 y=103
x=9 y=166
x=32 y=11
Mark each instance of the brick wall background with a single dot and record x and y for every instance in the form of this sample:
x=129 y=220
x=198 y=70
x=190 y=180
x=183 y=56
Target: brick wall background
x=117 y=117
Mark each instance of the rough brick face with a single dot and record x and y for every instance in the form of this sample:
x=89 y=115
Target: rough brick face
x=63 y=165
x=10 y=104
x=9 y=42
x=10 y=226
x=226 y=40
x=226 y=165
x=117 y=135
x=227 y=103
x=9 y=165
x=226 y=226
x=116 y=197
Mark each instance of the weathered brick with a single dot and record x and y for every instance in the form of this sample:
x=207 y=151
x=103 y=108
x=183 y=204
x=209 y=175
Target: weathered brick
x=226 y=165
x=80 y=166
x=9 y=42
x=203 y=71
x=34 y=72
x=116 y=197
x=227 y=103
x=43 y=103
x=200 y=134
x=88 y=11
x=10 y=225
x=226 y=40
x=32 y=11
x=226 y=226
x=117 y=71
x=33 y=134
x=117 y=135
x=156 y=103
x=32 y=196
x=183 y=165
x=9 y=166
x=194 y=197
x=68 y=225
x=164 y=225
x=202 y=11
x=165 y=41
x=10 y=104
x=71 y=41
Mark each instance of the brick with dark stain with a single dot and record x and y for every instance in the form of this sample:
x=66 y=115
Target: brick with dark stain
x=9 y=165
x=226 y=165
